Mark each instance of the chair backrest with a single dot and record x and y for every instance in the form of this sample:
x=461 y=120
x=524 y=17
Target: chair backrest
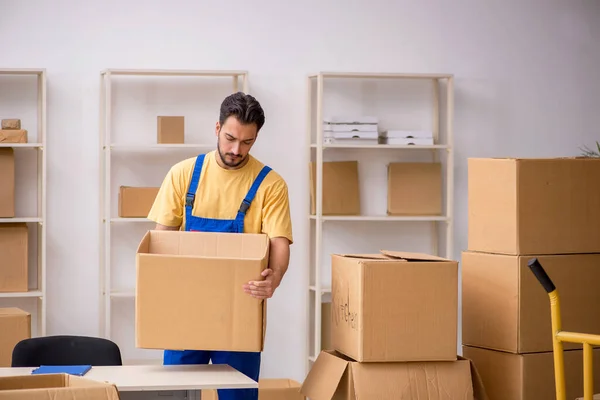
x=65 y=350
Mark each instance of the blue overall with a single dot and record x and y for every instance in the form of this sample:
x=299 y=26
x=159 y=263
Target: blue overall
x=246 y=362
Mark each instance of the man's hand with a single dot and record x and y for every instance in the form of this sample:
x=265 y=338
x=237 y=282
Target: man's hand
x=279 y=258
x=263 y=289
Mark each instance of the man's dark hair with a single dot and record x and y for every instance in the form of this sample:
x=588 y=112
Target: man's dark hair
x=244 y=107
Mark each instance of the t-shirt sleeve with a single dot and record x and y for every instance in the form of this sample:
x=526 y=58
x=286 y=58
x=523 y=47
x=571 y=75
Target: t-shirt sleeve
x=167 y=208
x=277 y=221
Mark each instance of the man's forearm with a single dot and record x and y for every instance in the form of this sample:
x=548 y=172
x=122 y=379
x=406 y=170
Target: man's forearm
x=160 y=227
x=279 y=257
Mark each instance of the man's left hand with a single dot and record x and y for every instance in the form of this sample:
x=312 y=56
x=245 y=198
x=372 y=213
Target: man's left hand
x=263 y=289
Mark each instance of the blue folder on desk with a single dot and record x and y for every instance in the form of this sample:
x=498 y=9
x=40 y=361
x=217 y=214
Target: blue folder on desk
x=78 y=370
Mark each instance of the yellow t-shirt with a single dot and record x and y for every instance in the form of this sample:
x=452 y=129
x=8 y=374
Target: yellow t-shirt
x=220 y=193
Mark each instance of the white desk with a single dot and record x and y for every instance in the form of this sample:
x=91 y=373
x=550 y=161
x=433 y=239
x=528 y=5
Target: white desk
x=130 y=378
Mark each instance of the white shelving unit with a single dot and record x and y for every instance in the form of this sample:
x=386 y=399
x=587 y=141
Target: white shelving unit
x=39 y=220
x=317 y=150
x=109 y=148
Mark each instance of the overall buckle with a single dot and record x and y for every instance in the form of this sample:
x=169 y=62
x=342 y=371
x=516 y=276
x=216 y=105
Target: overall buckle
x=189 y=200
x=244 y=206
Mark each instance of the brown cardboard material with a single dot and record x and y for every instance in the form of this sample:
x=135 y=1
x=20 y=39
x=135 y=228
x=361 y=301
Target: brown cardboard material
x=13 y=136
x=414 y=188
x=334 y=376
x=171 y=129
x=509 y=376
x=10 y=124
x=189 y=293
x=7 y=182
x=136 y=202
x=341 y=189
x=15 y=325
x=534 y=206
x=268 y=389
x=506 y=308
x=394 y=306
x=14 y=252
x=326 y=326
x=55 y=387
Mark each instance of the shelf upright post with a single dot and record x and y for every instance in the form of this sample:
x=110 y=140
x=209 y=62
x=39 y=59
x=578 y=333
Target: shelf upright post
x=41 y=205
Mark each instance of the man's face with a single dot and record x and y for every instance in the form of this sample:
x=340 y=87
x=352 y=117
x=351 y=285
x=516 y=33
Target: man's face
x=234 y=141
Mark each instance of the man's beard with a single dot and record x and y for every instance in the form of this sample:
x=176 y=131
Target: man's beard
x=238 y=160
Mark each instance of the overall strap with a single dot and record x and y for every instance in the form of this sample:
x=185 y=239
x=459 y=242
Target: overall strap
x=253 y=189
x=191 y=193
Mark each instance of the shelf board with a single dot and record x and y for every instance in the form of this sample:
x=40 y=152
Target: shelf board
x=130 y=220
x=174 y=72
x=21 y=71
x=380 y=75
x=31 y=293
x=123 y=294
x=381 y=146
x=20 y=219
x=324 y=289
x=22 y=145
x=367 y=218
x=157 y=146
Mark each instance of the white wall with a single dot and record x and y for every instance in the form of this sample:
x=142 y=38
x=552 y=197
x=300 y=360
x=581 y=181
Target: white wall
x=526 y=85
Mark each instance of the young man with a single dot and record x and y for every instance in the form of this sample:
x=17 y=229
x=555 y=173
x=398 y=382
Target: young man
x=228 y=190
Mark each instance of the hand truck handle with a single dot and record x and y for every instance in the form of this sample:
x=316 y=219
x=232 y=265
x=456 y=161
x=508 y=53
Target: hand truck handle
x=541 y=275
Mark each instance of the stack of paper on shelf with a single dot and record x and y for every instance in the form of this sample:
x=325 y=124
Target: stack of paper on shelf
x=407 y=137
x=520 y=209
x=360 y=130
x=393 y=331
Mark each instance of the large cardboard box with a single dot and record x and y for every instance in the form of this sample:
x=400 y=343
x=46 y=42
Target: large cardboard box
x=189 y=293
x=14 y=242
x=414 y=188
x=341 y=188
x=507 y=376
x=7 y=182
x=55 y=387
x=268 y=389
x=394 y=306
x=334 y=376
x=136 y=202
x=534 y=206
x=15 y=325
x=506 y=308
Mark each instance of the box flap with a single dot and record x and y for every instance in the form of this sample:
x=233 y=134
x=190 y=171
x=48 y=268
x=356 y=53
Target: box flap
x=248 y=246
x=479 y=392
x=422 y=380
x=324 y=376
x=365 y=257
x=407 y=256
x=56 y=387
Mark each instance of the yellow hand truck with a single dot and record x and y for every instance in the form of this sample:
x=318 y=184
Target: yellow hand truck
x=559 y=336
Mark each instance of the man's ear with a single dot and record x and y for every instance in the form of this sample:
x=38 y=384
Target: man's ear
x=217 y=128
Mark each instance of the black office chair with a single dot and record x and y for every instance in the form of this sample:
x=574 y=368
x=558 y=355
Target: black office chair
x=65 y=350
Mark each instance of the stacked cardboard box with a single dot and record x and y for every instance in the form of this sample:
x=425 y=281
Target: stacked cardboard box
x=15 y=325
x=520 y=209
x=393 y=331
x=11 y=132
